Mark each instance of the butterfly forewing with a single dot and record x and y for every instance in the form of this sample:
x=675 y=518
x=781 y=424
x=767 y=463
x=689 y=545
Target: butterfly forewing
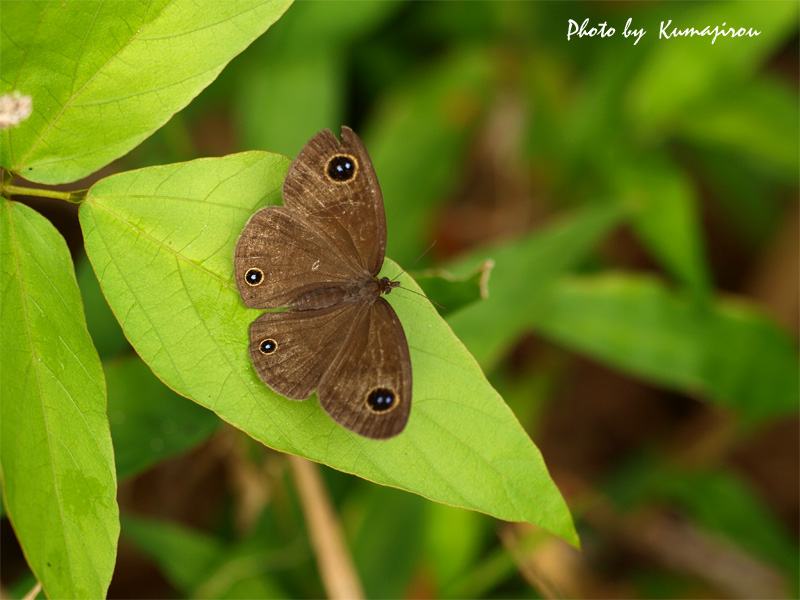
x=279 y=256
x=346 y=208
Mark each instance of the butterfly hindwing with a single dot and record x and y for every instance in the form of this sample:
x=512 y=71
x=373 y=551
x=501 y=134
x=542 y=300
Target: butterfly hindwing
x=368 y=387
x=292 y=350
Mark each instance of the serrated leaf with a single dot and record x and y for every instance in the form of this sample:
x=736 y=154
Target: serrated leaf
x=169 y=233
x=728 y=352
x=104 y=75
x=59 y=484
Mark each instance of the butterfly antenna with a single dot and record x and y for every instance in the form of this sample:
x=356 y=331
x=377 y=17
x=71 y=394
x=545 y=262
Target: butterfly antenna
x=424 y=296
x=411 y=266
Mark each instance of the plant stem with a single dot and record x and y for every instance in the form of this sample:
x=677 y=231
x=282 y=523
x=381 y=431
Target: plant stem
x=75 y=197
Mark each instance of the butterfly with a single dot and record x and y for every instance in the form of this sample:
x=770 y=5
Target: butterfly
x=319 y=256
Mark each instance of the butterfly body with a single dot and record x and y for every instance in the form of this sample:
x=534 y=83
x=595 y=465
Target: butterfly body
x=359 y=291
x=319 y=256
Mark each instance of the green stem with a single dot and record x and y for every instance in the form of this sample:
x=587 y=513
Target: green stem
x=75 y=197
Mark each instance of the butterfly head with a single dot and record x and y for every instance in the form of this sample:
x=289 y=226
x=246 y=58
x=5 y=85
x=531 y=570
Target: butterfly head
x=386 y=285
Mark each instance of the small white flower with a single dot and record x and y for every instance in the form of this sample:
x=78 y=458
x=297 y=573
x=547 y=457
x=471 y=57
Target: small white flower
x=14 y=108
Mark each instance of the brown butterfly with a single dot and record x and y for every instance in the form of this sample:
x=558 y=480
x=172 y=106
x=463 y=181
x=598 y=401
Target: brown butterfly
x=319 y=255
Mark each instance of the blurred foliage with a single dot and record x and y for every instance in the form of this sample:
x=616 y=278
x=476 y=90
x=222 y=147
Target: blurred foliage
x=623 y=192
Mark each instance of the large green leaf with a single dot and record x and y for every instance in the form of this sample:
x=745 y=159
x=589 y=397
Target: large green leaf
x=105 y=75
x=59 y=484
x=161 y=241
x=728 y=352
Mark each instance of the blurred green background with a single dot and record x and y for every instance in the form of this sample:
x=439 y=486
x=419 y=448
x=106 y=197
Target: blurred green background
x=639 y=205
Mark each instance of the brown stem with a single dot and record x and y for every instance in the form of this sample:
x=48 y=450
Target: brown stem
x=333 y=557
